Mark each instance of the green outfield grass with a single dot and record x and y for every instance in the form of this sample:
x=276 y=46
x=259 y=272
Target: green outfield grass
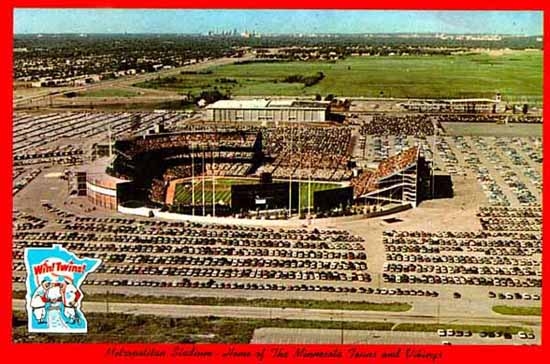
x=223 y=190
x=517 y=76
x=184 y=191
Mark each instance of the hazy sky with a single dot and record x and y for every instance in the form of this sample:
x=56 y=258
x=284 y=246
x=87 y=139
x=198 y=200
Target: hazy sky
x=275 y=21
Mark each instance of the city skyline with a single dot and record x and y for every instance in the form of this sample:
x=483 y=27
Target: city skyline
x=154 y=21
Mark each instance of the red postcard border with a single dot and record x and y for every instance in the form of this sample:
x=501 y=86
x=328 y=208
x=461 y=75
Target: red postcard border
x=96 y=353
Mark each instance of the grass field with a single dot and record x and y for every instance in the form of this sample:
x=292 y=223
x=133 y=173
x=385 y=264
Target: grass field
x=115 y=327
x=518 y=310
x=108 y=92
x=516 y=76
x=253 y=302
x=184 y=191
x=223 y=191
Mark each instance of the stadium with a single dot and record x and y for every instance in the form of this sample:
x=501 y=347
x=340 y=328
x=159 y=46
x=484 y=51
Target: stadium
x=274 y=172
x=374 y=189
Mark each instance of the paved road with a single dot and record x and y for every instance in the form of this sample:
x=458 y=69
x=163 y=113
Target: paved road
x=293 y=313
x=272 y=335
x=128 y=81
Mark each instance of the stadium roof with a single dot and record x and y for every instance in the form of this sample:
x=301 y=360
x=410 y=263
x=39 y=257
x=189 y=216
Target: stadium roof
x=239 y=104
x=268 y=104
x=458 y=101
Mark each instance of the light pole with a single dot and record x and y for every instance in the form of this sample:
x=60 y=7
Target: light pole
x=202 y=178
x=433 y=159
x=290 y=178
x=342 y=328
x=193 y=179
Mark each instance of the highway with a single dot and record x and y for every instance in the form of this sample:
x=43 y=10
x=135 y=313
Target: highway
x=129 y=80
x=294 y=313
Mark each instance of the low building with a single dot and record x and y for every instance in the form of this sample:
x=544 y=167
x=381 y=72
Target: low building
x=268 y=110
x=474 y=105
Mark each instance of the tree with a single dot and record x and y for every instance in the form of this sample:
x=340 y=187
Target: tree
x=318 y=97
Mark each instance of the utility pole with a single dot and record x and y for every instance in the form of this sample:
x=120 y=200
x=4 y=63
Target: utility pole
x=203 y=174
x=438 y=311
x=110 y=141
x=213 y=186
x=299 y=174
x=433 y=160
x=342 y=329
x=290 y=178
x=309 y=191
x=192 y=179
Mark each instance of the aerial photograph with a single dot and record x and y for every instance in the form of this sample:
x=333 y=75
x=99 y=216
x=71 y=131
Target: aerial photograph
x=277 y=176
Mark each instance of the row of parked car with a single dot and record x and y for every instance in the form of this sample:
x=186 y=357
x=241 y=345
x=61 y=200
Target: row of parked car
x=516 y=295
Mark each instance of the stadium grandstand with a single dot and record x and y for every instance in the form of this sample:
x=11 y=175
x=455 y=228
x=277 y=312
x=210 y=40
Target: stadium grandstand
x=236 y=171
x=268 y=110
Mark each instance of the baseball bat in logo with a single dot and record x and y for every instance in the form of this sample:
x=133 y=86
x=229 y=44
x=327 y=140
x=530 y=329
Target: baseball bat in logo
x=54 y=297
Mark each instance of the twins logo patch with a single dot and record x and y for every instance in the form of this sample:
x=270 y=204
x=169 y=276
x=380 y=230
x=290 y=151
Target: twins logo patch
x=54 y=298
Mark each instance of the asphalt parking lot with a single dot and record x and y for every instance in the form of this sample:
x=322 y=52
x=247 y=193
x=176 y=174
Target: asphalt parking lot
x=332 y=336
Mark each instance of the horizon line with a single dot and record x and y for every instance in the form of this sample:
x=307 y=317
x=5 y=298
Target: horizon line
x=277 y=34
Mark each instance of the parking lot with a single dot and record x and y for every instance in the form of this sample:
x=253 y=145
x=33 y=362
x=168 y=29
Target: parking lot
x=458 y=256
x=332 y=336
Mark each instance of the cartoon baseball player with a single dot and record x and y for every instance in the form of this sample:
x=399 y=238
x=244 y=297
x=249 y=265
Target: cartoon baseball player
x=40 y=299
x=71 y=296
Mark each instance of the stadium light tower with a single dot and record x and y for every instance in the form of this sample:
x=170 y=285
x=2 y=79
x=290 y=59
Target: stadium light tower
x=300 y=171
x=309 y=190
x=433 y=158
x=110 y=141
x=202 y=178
x=193 y=179
x=290 y=178
x=213 y=186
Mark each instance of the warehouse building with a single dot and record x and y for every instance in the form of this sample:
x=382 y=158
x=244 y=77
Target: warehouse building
x=479 y=105
x=268 y=110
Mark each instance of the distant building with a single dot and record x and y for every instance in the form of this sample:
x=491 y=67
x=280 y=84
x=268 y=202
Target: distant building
x=475 y=105
x=268 y=110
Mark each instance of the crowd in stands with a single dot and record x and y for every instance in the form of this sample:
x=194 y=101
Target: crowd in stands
x=193 y=140
x=158 y=191
x=319 y=152
x=367 y=180
x=180 y=171
x=397 y=162
x=228 y=169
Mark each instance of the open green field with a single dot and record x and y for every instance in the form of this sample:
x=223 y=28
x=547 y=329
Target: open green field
x=118 y=327
x=518 y=310
x=184 y=191
x=518 y=76
x=246 y=302
x=108 y=92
